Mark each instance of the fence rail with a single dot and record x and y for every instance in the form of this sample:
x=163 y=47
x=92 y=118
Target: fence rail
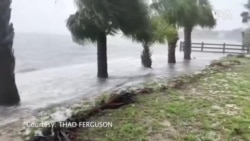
x=217 y=48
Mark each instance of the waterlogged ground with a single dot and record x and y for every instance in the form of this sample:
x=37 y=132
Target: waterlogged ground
x=214 y=108
x=43 y=89
x=54 y=72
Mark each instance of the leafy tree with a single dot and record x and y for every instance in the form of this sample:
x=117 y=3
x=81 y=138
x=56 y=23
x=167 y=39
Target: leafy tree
x=95 y=19
x=8 y=90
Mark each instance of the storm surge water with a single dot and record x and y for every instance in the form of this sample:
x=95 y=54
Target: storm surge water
x=41 y=51
x=52 y=70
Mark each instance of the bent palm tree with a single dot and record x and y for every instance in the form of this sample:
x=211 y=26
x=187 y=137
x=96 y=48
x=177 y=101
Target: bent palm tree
x=145 y=36
x=8 y=90
x=96 y=19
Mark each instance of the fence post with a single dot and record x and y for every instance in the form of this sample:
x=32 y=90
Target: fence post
x=224 y=47
x=181 y=45
x=202 y=46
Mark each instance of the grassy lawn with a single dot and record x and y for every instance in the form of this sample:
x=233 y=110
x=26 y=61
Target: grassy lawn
x=214 y=108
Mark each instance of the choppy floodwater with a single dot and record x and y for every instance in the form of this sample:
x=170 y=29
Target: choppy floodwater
x=52 y=70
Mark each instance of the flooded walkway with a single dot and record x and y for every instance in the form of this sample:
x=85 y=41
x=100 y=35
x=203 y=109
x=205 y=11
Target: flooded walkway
x=57 y=86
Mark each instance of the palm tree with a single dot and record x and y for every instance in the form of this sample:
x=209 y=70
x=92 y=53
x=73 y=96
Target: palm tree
x=193 y=15
x=145 y=37
x=157 y=31
x=165 y=32
x=8 y=90
x=95 y=19
x=169 y=13
x=186 y=14
x=146 y=59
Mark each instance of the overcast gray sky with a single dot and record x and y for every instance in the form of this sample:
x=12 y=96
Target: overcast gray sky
x=49 y=16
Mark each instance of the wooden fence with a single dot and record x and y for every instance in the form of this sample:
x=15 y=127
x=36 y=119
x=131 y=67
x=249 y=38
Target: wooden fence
x=217 y=48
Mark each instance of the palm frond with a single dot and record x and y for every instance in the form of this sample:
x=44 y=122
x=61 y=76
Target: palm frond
x=82 y=28
x=206 y=17
x=186 y=13
x=163 y=30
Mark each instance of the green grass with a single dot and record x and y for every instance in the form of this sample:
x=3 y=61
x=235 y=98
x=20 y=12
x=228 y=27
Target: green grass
x=214 y=108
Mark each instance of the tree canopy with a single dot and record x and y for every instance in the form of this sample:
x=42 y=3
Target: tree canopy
x=163 y=30
x=186 y=13
x=109 y=16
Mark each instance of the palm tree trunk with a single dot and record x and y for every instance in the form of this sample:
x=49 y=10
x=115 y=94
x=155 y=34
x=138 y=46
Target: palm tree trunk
x=102 y=55
x=187 y=43
x=8 y=90
x=146 y=56
x=171 y=51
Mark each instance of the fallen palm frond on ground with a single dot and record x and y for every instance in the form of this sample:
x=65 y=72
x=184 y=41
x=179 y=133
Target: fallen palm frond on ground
x=144 y=115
